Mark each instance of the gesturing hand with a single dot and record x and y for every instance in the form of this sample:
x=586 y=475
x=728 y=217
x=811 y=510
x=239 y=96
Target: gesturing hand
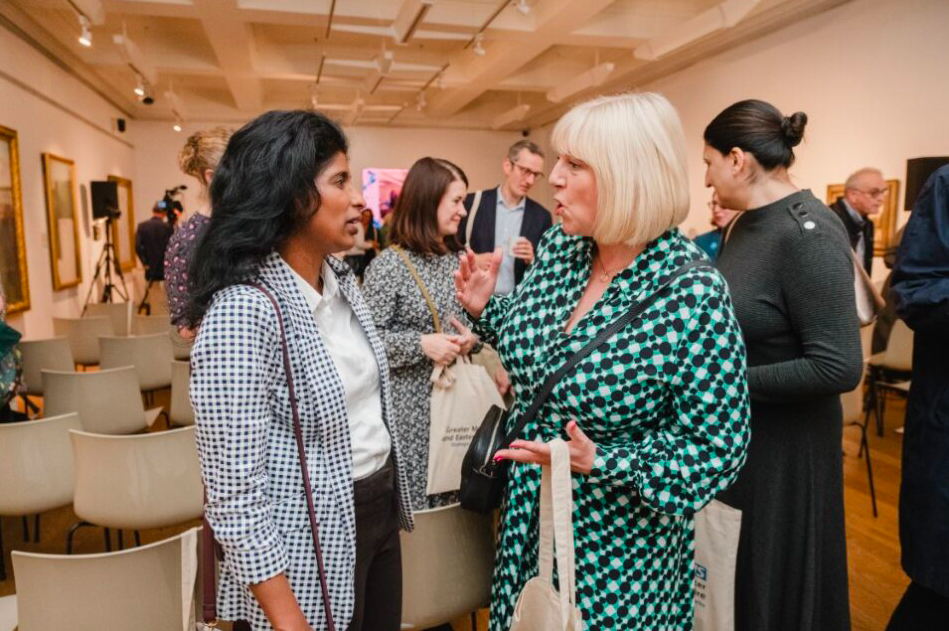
x=440 y=348
x=582 y=451
x=524 y=250
x=475 y=285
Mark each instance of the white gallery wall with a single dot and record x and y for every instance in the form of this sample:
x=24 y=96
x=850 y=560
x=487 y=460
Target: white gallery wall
x=52 y=111
x=871 y=75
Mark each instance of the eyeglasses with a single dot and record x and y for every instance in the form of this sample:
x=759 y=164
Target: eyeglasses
x=524 y=171
x=875 y=192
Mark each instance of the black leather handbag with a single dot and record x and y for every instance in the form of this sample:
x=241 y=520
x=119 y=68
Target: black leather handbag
x=483 y=479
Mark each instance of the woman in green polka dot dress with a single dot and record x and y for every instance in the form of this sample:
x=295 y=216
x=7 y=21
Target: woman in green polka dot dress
x=656 y=418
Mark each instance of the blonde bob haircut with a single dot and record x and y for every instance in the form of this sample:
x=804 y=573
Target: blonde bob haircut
x=636 y=147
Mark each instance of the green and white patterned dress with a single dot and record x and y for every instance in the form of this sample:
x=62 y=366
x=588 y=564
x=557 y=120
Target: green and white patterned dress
x=666 y=403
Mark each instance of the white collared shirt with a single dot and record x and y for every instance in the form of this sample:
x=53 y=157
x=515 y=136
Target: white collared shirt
x=350 y=351
x=507 y=228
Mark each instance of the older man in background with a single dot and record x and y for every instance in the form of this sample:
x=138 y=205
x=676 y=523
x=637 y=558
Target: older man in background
x=864 y=193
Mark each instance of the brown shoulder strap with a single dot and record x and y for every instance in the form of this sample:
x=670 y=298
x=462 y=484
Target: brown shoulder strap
x=421 y=286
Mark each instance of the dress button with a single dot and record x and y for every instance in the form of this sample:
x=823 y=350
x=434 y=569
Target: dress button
x=809 y=225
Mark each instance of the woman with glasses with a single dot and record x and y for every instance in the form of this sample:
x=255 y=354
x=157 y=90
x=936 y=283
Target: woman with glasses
x=790 y=275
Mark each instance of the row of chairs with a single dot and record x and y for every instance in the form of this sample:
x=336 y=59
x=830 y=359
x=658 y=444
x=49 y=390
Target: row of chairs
x=82 y=335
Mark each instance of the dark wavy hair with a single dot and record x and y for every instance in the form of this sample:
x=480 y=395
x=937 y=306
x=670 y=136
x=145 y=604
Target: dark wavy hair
x=262 y=191
x=415 y=218
x=758 y=128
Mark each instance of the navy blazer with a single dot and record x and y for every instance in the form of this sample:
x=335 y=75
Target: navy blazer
x=536 y=222
x=249 y=462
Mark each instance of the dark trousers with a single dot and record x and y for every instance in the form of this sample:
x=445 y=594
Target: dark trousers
x=378 y=578
x=920 y=608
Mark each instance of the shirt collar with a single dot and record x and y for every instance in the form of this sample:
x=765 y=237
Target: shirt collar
x=853 y=213
x=313 y=298
x=518 y=206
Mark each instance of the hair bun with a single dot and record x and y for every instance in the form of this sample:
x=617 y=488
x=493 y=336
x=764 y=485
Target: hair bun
x=793 y=128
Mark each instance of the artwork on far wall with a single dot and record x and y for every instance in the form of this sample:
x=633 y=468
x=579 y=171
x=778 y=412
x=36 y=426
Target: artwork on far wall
x=884 y=222
x=123 y=230
x=59 y=177
x=381 y=188
x=13 y=275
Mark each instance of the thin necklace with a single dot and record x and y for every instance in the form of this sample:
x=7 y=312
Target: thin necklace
x=607 y=276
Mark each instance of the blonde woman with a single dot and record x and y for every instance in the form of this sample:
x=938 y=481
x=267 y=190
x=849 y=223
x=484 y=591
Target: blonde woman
x=198 y=158
x=656 y=418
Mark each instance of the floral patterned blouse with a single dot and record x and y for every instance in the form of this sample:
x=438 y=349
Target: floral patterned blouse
x=177 y=258
x=666 y=403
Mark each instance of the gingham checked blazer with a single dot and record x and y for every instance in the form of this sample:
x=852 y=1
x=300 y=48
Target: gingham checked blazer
x=255 y=499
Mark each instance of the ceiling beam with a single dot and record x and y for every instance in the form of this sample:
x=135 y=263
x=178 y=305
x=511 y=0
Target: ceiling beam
x=232 y=41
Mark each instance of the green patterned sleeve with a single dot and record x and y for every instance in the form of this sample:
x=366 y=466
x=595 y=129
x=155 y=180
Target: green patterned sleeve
x=487 y=326
x=698 y=448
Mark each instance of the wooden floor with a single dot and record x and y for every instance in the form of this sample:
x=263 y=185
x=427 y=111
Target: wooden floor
x=876 y=580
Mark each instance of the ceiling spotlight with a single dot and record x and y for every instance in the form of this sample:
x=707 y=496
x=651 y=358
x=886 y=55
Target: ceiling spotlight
x=420 y=103
x=140 y=87
x=523 y=7
x=85 y=38
x=176 y=126
x=479 y=45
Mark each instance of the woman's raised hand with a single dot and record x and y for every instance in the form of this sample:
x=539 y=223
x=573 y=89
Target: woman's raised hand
x=474 y=285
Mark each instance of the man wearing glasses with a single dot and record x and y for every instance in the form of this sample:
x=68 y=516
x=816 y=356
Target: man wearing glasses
x=506 y=218
x=864 y=193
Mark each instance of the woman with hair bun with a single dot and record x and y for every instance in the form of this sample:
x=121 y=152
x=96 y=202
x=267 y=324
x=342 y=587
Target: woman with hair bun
x=198 y=158
x=789 y=270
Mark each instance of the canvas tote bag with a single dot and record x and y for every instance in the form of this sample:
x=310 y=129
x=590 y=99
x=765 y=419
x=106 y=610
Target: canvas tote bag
x=717 y=527
x=461 y=395
x=869 y=301
x=540 y=607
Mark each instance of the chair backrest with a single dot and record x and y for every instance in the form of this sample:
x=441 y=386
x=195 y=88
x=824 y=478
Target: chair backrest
x=899 y=348
x=148 y=324
x=36 y=465
x=181 y=413
x=179 y=345
x=108 y=401
x=51 y=354
x=447 y=562
x=150 y=354
x=137 y=482
x=83 y=335
x=149 y=588
x=119 y=312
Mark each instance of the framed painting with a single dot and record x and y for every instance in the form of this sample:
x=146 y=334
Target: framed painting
x=59 y=177
x=123 y=230
x=884 y=222
x=13 y=275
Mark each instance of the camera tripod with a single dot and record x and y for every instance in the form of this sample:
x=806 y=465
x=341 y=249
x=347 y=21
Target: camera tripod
x=108 y=260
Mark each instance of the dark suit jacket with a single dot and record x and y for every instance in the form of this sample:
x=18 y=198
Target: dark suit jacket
x=151 y=241
x=854 y=230
x=535 y=224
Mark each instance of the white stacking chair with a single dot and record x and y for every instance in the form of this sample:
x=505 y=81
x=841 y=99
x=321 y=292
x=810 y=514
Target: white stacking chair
x=49 y=354
x=149 y=324
x=108 y=401
x=83 y=335
x=181 y=413
x=179 y=345
x=36 y=468
x=119 y=312
x=135 y=482
x=150 y=354
x=150 y=588
x=447 y=563
x=8 y=614
x=892 y=366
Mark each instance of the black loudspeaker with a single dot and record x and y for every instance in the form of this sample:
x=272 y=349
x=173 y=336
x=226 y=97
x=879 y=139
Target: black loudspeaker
x=120 y=124
x=105 y=199
x=918 y=171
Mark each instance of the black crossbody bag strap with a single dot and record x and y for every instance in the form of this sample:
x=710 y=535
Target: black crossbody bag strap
x=615 y=327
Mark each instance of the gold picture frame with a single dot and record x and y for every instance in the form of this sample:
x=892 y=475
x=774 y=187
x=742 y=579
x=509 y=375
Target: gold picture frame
x=13 y=271
x=884 y=222
x=123 y=230
x=62 y=218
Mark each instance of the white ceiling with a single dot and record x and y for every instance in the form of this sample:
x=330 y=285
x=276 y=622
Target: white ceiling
x=228 y=60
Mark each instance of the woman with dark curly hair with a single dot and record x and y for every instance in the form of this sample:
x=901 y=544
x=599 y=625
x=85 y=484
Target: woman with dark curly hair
x=284 y=200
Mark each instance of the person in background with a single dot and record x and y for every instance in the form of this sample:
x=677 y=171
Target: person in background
x=364 y=245
x=507 y=218
x=281 y=237
x=424 y=226
x=789 y=270
x=864 y=193
x=920 y=290
x=198 y=158
x=151 y=242
x=657 y=416
x=11 y=365
x=711 y=241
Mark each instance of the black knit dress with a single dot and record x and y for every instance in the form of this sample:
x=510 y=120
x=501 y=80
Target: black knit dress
x=790 y=275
